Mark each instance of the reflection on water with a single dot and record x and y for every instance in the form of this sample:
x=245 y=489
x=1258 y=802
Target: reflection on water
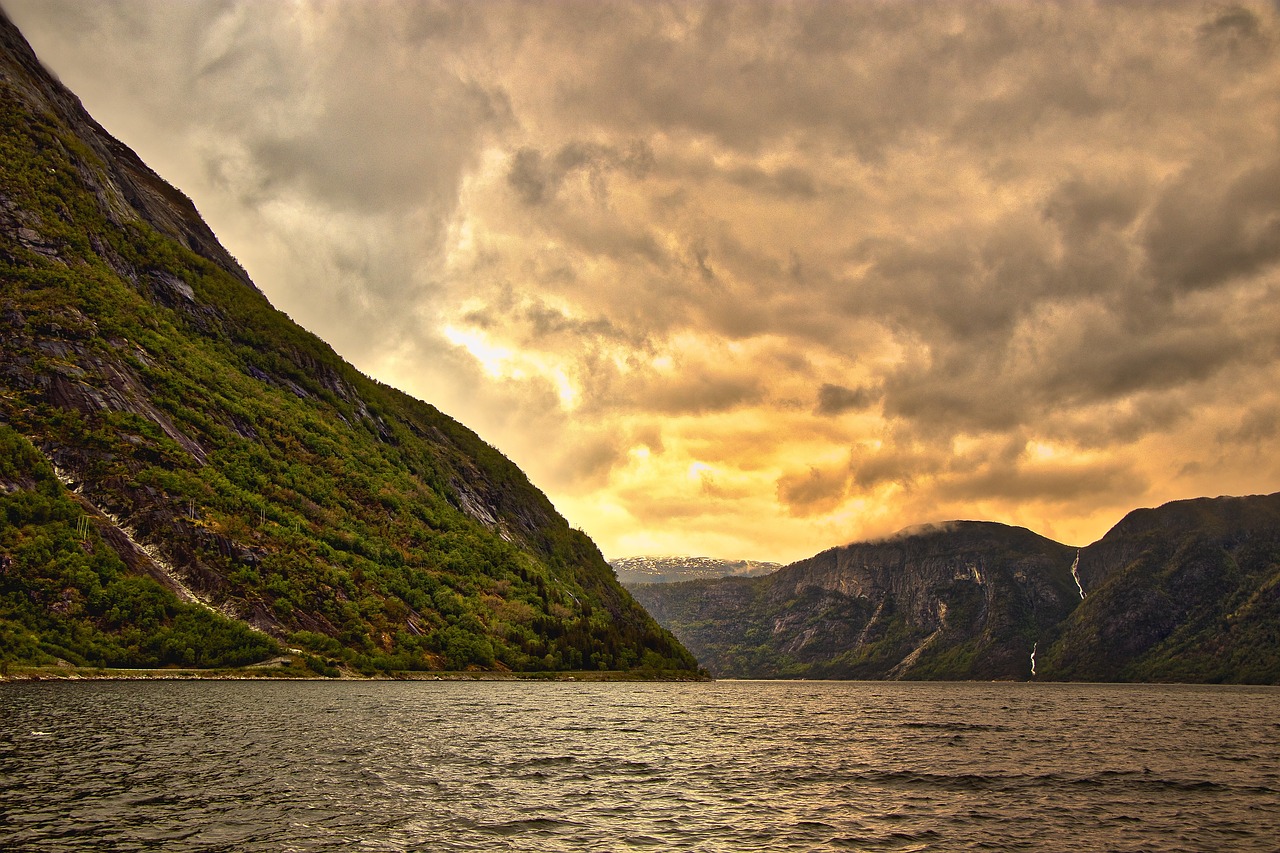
x=733 y=766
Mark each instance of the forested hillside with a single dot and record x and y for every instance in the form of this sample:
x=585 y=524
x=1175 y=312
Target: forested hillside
x=171 y=438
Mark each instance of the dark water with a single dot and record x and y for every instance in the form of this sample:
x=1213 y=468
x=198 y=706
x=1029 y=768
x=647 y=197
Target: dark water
x=732 y=766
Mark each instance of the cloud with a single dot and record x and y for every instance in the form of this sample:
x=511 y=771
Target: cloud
x=837 y=399
x=1215 y=223
x=536 y=179
x=814 y=491
x=1236 y=33
x=528 y=176
x=870 y=264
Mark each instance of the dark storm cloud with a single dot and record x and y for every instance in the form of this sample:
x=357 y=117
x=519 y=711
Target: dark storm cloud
x=528 y=177
x=532 y=322
x=1105 y=358
x=1085 y=206
x=787 y=182
x=1215 y=223
x=749 y=74
x=837 y=399
x=941 y=286
x=1059 y=484
x=1258 y=425
x=903 y=462
x=536 y=178
x=700 y=393
x=814 y=491
x=1236 y=33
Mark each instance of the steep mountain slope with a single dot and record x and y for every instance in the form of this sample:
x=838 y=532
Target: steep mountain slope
x=963 y=600
x=640 y=570
x=65 y=592
x=208 y=443
x=1189 y=591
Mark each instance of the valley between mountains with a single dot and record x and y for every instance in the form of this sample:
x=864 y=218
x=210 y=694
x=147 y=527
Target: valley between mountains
x=190 y=479
x=1189 y=591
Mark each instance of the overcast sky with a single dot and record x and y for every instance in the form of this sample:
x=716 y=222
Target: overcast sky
x=753 y=279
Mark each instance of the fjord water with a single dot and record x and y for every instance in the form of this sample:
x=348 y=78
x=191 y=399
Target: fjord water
x=732 y=766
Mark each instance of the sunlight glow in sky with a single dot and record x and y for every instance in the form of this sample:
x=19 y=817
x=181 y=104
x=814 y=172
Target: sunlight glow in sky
x=753 y=279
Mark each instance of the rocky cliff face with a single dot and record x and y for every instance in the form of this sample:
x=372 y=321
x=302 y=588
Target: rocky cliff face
x=217 y=448
x=963 y=600
x=1186 y=592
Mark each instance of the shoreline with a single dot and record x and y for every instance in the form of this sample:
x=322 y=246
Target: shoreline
x=25 y=675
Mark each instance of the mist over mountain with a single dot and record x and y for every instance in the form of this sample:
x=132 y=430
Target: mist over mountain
x=188 y=477
x=1189 y=591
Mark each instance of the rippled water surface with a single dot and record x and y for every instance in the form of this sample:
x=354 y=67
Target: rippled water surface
x=733 y=766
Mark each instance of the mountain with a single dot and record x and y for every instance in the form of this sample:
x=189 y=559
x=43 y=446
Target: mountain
x=963 y=600
x=1189 y=591
x=188 y=477
x=639 y=570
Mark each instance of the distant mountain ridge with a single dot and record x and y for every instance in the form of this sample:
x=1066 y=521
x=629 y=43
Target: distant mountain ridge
x=638 y=570
x=1189 y=591
x=188 y=477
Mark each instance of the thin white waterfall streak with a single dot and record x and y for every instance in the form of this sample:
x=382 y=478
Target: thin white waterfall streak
x=1034 y=646
x=1075 y=574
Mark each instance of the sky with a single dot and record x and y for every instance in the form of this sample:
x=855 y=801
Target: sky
x=751 y=280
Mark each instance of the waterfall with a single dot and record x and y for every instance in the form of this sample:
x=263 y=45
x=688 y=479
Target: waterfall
x=1075 y=574
x=1034 y=646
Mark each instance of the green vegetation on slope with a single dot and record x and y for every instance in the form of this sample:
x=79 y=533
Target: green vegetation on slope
x=64 y=593
x=1196 y=598
x=275 y=480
